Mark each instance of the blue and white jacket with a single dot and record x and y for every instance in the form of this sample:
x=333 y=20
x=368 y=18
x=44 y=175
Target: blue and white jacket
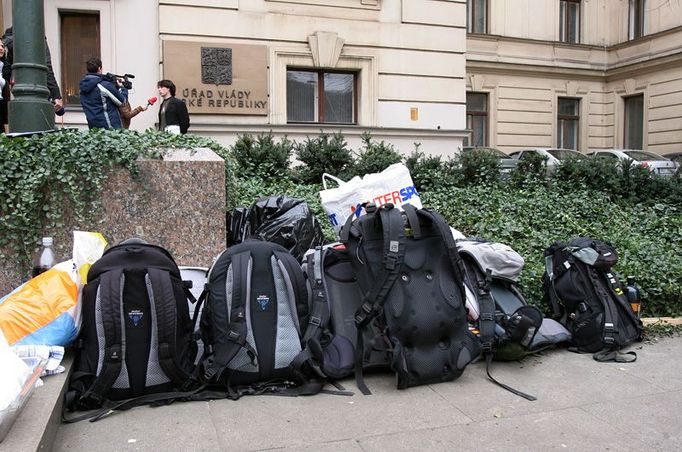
x=100 y=99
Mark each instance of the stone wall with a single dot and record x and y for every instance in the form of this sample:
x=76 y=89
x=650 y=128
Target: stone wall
x=177 y=203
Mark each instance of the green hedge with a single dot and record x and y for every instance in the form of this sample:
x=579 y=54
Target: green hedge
x=530 y=218
x=639 y=214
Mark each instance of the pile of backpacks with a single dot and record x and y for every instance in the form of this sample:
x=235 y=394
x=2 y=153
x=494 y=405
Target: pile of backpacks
x=397 y=293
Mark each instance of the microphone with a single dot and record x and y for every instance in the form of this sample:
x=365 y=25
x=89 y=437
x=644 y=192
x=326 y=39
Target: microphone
x=151 y=101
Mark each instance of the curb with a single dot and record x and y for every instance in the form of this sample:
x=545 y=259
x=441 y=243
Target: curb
x=663 y=320
x=36 y=427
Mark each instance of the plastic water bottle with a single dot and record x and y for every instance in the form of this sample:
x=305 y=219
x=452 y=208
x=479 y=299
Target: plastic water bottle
x=634 y=297
x=44 y=259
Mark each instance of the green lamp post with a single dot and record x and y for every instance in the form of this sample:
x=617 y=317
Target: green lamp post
x=30 y=110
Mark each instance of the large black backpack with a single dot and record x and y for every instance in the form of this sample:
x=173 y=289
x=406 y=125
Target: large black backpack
x=411 y=278
x=136 y=339
x=587 y=297
x=254 y=320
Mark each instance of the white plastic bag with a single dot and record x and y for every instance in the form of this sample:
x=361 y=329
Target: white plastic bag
x=392 y=185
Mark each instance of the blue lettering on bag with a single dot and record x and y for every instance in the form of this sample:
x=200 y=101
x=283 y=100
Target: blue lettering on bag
x=408 y=192
x=333 y=220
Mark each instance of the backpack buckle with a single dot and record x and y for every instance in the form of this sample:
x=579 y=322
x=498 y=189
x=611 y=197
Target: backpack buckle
x=236 y=337
x=391 y=262
x=487 y=346
x=362 y=316
x=315 y=321
x=486 y=316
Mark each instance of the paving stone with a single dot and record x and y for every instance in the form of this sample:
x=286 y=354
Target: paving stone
x=569 y=429
x=655 y=419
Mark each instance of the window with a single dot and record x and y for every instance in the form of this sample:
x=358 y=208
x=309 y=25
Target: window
x=477 y=119
x=569 y=21
x=477 y=16
x=634 y=122
x=321 y=96
x=568 y=123
x=636 y=19
x=79 y=42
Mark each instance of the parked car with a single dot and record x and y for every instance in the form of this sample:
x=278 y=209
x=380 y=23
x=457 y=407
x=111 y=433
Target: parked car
x=675 y=157
x=507 y=163
x=657 y=164
x=554 y=156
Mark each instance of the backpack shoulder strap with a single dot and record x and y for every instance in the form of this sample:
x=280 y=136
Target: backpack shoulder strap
x=110 y=293
x=413 y=220
x=394 y=254
x=293 y=269
x=550 y=290
x=164 y=304
x=235 y=337
x=319 y=311
x=453 y=254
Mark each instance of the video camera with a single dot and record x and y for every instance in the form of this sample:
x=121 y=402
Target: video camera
x=124 y=79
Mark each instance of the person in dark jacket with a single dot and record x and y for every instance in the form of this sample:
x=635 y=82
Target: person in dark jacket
x=52 y=85
x=100 y=98
x=173 y=115
x=6 y=71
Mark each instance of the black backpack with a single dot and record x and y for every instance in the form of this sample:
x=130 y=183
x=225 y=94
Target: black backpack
x=136 y=342
x=253 y=323
x=587 y=297
x=412 y=280
x=335 y=296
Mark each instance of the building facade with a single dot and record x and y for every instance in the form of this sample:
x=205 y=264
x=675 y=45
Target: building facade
x=583 y=74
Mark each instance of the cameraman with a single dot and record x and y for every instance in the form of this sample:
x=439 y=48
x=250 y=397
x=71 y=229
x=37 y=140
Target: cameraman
x=101 y=97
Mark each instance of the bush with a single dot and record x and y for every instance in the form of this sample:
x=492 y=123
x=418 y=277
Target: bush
x=589 y=173
x=625 y=181
x=479 y=167
x=262 y=156
x=431 y=171
x=323 y=154
x=374 y=157
x=532 y=169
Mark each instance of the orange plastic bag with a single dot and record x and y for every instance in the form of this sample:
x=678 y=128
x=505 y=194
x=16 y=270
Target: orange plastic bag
x=46 y=309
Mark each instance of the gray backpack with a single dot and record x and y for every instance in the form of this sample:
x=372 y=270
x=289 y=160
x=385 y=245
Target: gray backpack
x=334 y=298
x=509 y=328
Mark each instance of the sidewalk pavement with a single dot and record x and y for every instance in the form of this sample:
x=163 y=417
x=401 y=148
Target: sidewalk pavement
x=582 y=405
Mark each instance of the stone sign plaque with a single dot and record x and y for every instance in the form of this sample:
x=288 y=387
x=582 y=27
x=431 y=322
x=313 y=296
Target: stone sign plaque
x=218 y=78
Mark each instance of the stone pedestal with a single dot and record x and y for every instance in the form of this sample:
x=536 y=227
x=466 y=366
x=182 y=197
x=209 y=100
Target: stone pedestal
x=177 y=203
